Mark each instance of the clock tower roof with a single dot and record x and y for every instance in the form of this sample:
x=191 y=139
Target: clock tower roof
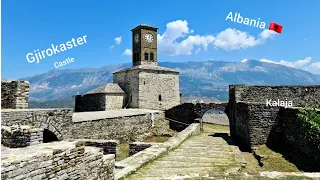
x=145 y=26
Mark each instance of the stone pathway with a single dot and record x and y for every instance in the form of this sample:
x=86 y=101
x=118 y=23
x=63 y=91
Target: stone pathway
x=205 y=154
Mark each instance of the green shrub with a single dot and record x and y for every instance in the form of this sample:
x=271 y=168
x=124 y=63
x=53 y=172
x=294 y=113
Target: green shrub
x=310 y=115
x=310 y=118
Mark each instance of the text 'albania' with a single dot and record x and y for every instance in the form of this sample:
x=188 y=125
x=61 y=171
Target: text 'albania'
x=247 y=21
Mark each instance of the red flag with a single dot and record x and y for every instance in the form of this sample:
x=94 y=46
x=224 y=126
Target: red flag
x=275 y=27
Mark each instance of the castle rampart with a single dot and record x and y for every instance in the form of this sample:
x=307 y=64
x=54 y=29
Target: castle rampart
x=14 y=94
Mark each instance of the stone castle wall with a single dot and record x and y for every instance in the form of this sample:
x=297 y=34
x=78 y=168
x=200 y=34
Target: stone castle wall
x=58 y=121
x=251 y=119
x=20 y=136
x=301 y=96
x=290 y=132
x=120 y=128
x=59 y=160
x=14 y=94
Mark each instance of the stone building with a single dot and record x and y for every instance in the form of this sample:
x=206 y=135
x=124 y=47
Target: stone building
x=146 y=85
x=109 y=96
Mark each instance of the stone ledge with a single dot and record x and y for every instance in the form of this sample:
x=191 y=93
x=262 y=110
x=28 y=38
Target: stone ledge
x=139 y=159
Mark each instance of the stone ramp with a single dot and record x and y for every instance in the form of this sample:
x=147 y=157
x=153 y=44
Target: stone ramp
x=200 y=155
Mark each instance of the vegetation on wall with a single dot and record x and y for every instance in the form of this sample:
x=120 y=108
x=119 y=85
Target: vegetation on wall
x=311 y=122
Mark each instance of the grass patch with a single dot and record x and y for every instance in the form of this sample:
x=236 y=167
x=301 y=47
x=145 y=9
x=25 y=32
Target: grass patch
x=272 y=161
x=215 y=128
x=275 y=161
x=157 y=139
x=123 y=152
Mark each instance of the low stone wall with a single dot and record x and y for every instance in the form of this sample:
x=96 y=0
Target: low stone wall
x=108 y=146
x=20 y=136
x=184 y=113
x=58 y=121
x=14 y=94
x=132 y=163
x=136 y=147
x=119 y=128
x=59 y=160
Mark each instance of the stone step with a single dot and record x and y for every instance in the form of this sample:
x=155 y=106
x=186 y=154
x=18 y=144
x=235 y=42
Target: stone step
x=175 y=164
x=208 y=151
x=165 y=172
x=195 y=159
x=203 y=154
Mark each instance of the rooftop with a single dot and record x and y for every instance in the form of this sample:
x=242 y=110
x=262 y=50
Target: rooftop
x=145 y=26
x=148 y=67
x=107 y=88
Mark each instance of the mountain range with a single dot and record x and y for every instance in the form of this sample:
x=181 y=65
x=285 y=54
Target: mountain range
x=205 y=79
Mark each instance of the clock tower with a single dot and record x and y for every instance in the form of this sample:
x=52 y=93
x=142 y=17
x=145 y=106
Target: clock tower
x=144 y=45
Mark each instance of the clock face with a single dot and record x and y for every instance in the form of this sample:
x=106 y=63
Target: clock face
x=148 y=37
x=136 y=38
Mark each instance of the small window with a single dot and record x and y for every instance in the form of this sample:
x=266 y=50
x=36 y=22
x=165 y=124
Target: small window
x=130 y=98
x=151 y=57
x=146 y=56
x=144 y=82
x=160 y=98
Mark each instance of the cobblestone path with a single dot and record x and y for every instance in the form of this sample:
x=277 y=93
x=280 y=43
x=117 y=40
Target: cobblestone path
x=208 y=153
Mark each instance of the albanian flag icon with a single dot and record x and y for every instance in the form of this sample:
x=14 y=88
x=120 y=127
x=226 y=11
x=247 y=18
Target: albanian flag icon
x=275 y=27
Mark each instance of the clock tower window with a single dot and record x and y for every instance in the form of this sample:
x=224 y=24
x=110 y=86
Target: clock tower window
x=151 y=57
x=146 y=56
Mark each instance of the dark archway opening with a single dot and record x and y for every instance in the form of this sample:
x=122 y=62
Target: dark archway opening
x=49 y=136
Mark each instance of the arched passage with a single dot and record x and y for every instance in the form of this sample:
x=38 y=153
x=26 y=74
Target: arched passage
x=215 y=116
x=49 y=136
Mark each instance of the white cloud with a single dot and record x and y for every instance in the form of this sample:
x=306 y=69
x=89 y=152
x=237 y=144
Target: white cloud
x=127 y=52
x=118 y=39
x=111 y=47
x=244 y=60
x=314 y=68
x=176 y=40
x=304 y=64
x=296 y=64
x=232 y=39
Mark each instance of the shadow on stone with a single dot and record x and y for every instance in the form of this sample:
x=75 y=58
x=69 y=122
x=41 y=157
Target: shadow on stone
x=225 y=136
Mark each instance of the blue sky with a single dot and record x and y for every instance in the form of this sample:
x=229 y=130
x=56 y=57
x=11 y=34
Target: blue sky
x=188 y=31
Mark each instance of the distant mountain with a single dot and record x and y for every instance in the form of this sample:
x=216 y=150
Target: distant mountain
x=200 y=79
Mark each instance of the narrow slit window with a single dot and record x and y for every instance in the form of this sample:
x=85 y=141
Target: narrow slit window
x=146 y=56
x=160 y=99
x=151 y=57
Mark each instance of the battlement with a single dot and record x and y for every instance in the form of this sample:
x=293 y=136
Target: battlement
x=14 y=94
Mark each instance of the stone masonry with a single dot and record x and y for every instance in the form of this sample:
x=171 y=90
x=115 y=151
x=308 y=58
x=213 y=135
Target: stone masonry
x=20 y=136
x=58 y=121
x=14 y=94
x=251 y=119
x=58 y=160
x=120 y=128
x=108 y=146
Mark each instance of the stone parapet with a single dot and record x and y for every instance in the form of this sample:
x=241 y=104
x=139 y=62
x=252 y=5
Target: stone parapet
x=58 y=160
x=14 y=94
x=20 y=136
